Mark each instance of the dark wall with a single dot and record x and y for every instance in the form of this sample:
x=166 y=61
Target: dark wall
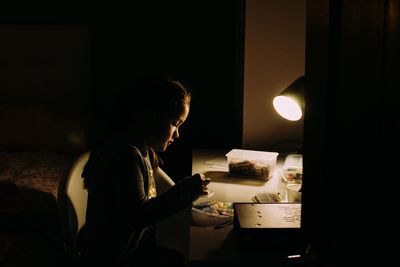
x=197 y=42
x=191 y=41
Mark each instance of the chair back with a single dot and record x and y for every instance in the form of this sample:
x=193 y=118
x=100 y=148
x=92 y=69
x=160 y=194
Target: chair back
x=72 y=206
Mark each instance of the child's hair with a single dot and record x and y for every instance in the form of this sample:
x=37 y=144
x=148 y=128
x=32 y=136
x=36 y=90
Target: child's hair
x=157 y=92
x=160 y=93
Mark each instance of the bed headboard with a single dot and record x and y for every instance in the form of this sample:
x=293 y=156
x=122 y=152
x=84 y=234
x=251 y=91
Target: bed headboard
x=40 y=127
x=44 y=87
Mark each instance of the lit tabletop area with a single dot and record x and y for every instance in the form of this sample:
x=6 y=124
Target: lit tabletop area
x=213 y=164
x=207 y=244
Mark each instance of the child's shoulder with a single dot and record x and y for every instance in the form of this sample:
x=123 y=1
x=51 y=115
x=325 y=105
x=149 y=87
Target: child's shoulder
x=119 y=147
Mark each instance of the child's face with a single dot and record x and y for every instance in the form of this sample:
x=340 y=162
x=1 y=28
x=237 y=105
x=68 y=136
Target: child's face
x=167 y=130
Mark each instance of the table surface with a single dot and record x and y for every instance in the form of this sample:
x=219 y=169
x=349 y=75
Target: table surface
x=207 y=244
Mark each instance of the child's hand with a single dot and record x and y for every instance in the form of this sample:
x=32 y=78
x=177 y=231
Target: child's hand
x=204 y=182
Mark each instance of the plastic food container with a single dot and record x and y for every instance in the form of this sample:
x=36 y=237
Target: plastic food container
x=293 y=168
x=251 y=163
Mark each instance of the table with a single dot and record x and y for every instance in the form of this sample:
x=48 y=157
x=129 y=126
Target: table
x=208 y=245
x=205 y=246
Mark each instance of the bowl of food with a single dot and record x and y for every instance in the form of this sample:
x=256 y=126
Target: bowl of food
x=212 y=213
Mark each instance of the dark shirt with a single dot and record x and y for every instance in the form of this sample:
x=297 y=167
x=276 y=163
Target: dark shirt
x=119 y=203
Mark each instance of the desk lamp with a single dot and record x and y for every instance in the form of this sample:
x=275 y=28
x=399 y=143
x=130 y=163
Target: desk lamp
x=290 y=103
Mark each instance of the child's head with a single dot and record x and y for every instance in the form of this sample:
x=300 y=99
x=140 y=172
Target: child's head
x=156 y=106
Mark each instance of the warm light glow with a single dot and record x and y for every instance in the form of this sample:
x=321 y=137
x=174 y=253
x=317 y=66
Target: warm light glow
x=287 y=108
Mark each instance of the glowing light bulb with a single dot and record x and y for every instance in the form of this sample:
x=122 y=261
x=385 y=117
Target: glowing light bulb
x=287 y=108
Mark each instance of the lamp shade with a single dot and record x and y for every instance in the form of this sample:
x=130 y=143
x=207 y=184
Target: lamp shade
x=290 y=103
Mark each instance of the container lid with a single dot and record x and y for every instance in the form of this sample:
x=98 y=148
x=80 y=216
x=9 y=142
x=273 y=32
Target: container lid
x=294 y=161
x=251 y=154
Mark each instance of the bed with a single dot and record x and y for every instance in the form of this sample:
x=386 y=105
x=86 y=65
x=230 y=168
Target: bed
x=40 y=170
x=37 y=147
x=43 y=113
